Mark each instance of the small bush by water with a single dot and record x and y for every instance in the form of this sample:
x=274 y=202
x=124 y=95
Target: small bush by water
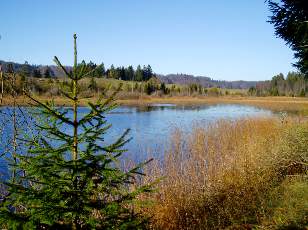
x=238 y=175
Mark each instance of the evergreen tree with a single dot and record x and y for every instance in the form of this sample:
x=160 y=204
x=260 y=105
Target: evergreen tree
x=130 y=73
x=10 y=68
x=147 y=72
x=92 y=67
x=112 y=72
x=163 y=88
x=100 y=70
x=290 y=19
x=72 y=179
x=25 y=70
x=103 y=69
x=252 y=91
x=122 y=75
x=36 y=73
x=47 y=73
x=139 y=73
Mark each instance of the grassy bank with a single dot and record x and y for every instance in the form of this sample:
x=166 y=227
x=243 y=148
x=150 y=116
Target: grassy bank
x=236 y=175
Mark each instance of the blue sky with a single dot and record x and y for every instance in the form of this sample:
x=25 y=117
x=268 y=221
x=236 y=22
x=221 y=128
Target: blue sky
x=224 y=40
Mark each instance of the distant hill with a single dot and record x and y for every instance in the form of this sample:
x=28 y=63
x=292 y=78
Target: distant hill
x=181 y=79
x=54 y=70
x=184 y=79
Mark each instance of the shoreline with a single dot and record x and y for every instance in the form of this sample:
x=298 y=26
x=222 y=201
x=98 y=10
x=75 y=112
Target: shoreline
x=275 y=103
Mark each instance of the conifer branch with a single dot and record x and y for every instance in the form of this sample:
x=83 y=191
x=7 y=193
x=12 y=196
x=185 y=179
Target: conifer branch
x=52 y=111
x=56 y=60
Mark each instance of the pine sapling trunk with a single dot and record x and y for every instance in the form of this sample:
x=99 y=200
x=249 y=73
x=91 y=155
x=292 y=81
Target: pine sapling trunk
x=75 y=98
x=75 y=135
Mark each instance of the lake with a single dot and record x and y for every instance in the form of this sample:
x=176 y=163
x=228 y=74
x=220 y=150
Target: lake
x=151 y=125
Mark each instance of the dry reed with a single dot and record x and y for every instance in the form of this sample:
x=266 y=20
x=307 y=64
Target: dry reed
x=223 y=174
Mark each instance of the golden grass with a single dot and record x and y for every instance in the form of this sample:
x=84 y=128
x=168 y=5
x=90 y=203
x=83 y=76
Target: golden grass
x=224 y=175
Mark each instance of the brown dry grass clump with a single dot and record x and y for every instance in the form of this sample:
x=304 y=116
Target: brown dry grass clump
x=224 y=175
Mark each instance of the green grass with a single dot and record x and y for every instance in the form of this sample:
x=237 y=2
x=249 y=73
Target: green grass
x=290 y=204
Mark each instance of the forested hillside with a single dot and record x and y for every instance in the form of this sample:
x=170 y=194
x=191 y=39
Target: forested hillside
x=128 y=74
x=185 y=79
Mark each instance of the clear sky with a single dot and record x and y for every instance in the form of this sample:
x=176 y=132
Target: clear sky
x=223 y=39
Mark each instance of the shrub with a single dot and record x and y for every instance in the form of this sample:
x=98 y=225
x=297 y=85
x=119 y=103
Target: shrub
x=213 y=92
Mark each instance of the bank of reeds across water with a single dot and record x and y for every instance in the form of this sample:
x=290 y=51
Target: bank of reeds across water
x=294 y=105
x=244 y=174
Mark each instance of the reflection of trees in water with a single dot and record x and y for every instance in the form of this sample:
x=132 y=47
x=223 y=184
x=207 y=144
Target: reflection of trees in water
x=161 y=107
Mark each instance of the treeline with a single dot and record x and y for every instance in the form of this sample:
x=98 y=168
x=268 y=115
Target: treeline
x=98 y=71
x=92 y=86
x=293 y=85
x=141 y=81
x=129 y=74
x=144 y=73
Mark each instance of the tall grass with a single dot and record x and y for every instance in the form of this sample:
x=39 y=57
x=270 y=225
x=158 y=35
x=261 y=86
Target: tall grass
x=228 y=174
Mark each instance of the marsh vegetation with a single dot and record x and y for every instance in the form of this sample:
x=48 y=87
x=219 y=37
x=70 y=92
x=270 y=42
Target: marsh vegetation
x=245 y=174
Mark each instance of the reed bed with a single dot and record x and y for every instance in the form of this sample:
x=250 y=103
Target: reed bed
x=230 y=175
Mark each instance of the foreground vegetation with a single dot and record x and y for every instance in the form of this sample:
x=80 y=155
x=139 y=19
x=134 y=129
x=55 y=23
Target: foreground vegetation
x=238 y=175
x=62 y=174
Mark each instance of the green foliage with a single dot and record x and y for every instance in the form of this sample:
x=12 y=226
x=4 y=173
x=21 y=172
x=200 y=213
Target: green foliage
x=147 y=73
x=294 y=84
x=290 y=19
x=47 y=73
x=139 y=73
x=277 y=79
x=302 y=93
x=112 y=73
x=164 y=89
x=25 y=70
x=274 y=91
x=36 y=73
x=129 y=74
x=93 y=84
x=252 y=91
x=193 y=87
x=152 y=85
x=149 y=88
x=70 y=178
x=290 y=201
x=214 y=91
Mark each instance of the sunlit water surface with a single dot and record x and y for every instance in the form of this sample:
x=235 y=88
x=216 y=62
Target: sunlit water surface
x=151 y=126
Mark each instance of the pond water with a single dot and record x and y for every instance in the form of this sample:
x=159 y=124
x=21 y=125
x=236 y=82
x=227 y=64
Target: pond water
x=151 y=126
